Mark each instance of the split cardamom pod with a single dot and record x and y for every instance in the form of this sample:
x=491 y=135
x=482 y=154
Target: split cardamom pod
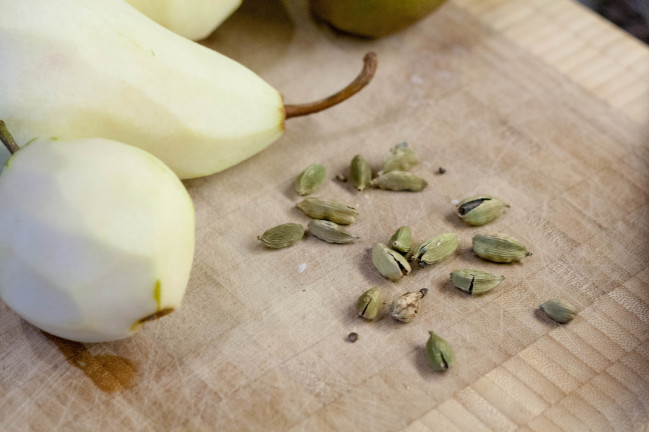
x=399 y=181
x=369 y=304
x=435 y=249
x=406 y=306
x=399 y=158
x=439 y=353
x=330 y=232
x=389 y=263
x=480 y=209
x=499 y=248
x=310 y=179
x=559 y=310
x=318 y=208
x=475 y=282
x=360 y=172
x=282 y=236
x=401 y=240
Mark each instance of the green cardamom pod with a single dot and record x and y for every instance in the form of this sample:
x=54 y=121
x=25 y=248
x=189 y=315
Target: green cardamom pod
x=559 y=310
x=480 y=209
x=330 y=232
x=310 y=179
x=475 y=282
x=369 y=304
x=439 y=353
x=360 y=172
x=318 y=208
x=406 y=306
x=399 y=181
x=282 y=236
x=389 y=263
x=401 y=240
x=436 y=249
x=399 y=158
x=499 y=248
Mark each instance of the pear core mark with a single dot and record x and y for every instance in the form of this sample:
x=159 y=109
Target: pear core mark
x=7 y=139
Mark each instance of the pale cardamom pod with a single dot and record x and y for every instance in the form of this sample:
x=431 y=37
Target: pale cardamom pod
x=475 y=282
x=399 y=158
x=389 y=263
x=499 y=248
x=436 y=249
x=480 y=209
x=360 y=172
x=330 y=232
x=406 y=306
x=401 y=240
x=559 y=310
x=439 y=353
x=318 y=208
x=282 y=236
x=310 y=179
x=369 y=304
x=399 y=181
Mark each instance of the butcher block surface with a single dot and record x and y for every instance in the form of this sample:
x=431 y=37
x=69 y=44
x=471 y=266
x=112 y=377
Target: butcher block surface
x=542 y=104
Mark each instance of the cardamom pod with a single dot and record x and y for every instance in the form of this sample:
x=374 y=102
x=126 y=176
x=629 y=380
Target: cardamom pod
x=389 y=262
x=282 y=236
x=475 y=282
x=360 y=172
x=401 y=240
x=439 y=353
x=559 y=310
x=310 y=179
x=499 y=248
x=318 y=208
x=435 y=249
x=480 y=209
x=399 y=158
x=330 y=232
x=406 y=306
x=369 y=304
x=399 y=181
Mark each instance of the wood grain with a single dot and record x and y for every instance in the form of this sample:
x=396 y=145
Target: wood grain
x=540 y=103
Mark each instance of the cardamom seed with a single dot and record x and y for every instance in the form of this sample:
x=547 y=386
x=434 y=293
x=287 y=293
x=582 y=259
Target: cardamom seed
x=475 y=282
x=369 y=304
x=480 y=209
x=559 y=310
x=389 y=262
x=439 y=353
x=399 y=158
x=318 y=208
x=310 y=179
x=499 y=248
x=406 y=306
x=330 y=232
x=399 y=181
x=360 y=172
x=401 y=240
x=435 y=250
x=282 y=236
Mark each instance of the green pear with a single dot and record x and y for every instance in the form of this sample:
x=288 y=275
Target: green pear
x=193 y=19
x=96 y=237
x=100 y=68
x=372 y=18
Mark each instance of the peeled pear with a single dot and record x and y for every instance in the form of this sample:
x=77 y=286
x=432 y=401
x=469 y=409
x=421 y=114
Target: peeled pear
x=100 y=68
x=372 y=18
x=96 y=238
x=193 y=19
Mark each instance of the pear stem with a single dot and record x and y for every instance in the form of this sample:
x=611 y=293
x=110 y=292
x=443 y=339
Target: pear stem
x=370 y=63
x=7 y=139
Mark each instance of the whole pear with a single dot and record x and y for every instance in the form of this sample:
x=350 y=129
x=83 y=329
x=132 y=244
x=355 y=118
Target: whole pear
x=96 y=238
x=372 y=18
x=193 y=19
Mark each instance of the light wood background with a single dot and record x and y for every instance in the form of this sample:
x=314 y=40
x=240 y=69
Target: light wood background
x=540 y=103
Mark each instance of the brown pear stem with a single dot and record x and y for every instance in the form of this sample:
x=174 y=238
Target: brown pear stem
x=370 y=63
x=7 y=139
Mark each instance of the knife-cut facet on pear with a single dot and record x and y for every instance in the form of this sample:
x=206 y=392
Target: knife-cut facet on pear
x=78 y=68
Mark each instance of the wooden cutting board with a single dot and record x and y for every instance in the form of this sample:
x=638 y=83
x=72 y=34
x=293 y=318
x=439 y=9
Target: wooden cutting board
x=540 y=103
